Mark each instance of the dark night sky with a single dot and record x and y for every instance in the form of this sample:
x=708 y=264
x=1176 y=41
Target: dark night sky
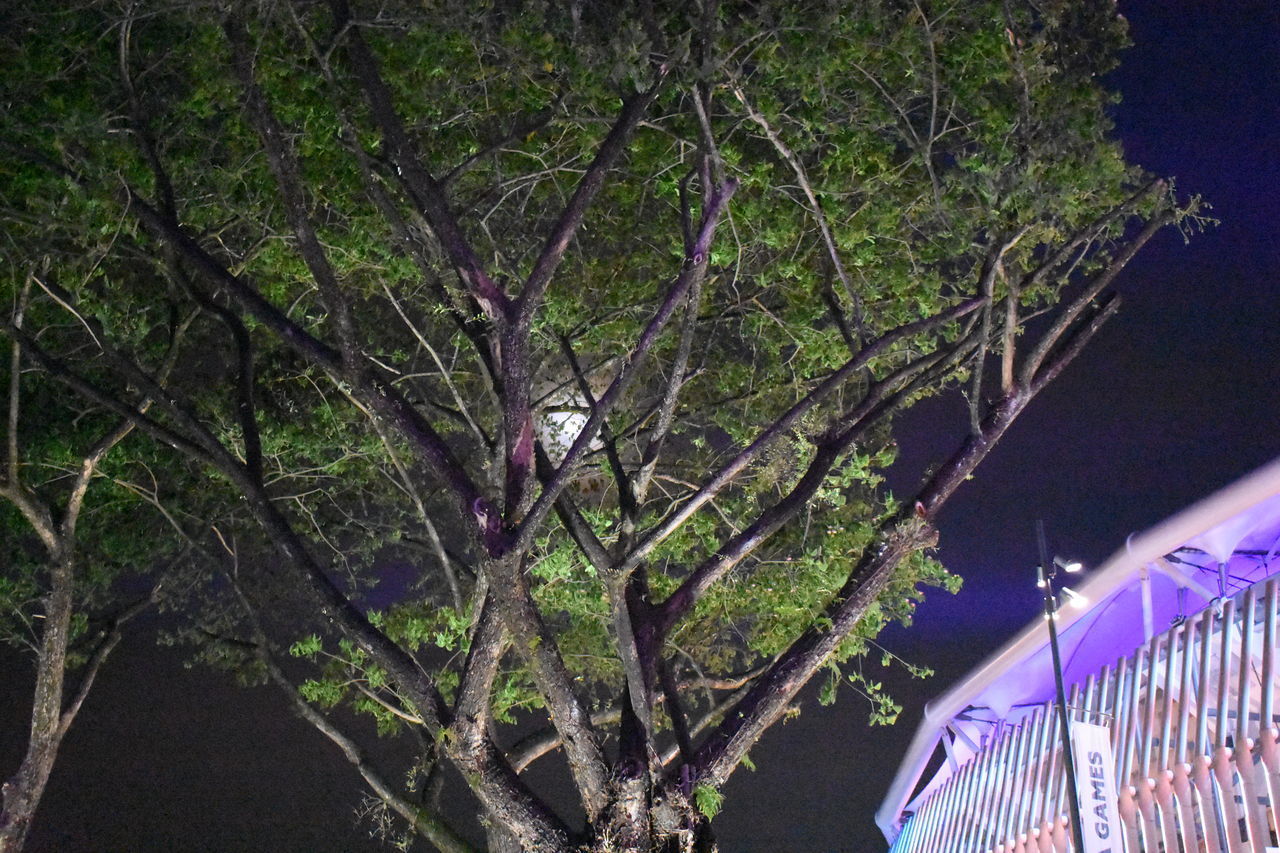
x=1178 y=397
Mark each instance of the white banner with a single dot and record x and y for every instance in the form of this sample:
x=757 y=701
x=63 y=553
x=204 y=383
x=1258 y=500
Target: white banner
x=1096 y=784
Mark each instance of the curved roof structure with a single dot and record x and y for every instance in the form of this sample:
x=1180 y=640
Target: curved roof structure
x=1210 y=550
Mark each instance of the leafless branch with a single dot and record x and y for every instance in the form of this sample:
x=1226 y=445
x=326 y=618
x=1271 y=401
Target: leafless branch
x=111 y=637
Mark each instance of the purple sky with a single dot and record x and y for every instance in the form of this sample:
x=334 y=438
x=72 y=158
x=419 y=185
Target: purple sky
x=1178 y=397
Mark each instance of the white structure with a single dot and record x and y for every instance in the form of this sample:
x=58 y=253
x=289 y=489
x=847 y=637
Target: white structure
x=1177 y=655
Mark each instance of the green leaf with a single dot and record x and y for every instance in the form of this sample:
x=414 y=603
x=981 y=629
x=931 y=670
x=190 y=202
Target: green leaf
x=708 y=800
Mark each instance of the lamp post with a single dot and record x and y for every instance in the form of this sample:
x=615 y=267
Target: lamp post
x=1046 y=572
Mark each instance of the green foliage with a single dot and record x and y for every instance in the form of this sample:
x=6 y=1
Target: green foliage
x=1021 y=149
x=307 y=647
x=323 y=693
x=884 y=711
x=708 y=800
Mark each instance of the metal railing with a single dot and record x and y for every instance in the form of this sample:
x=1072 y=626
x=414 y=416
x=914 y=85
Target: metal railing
x=1197 y=769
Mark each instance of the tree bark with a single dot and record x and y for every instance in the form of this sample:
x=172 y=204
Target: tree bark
x=22 y=791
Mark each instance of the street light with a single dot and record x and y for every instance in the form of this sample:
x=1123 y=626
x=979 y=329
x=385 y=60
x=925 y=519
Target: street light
x=1045 y=574
x=1071 y=567
x=1075 y=599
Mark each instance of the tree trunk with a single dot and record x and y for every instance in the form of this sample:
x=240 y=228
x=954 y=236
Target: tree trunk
x=668 y=822
x=22 y=792
x=21 y=796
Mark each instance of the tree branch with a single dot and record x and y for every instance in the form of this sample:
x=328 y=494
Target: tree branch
x=815 y=207
x=679 y=722
x=783 y=424
x=899 y=538
x=666 y=413
x=1089 y=232
x=635 y=667
x=284 y=167
x=532 y=747
x=424 y=821
x=101 y=652
x=613 y=146
x=694 y=268
x=58 y=370
x=770 y=697
x=626 y=496
x=1100 y=283
x=535 y=642
x=12 y=466
x=426 y=192
x=472 y=709
x=379 y=396
x=880 y=399
x=404 y=239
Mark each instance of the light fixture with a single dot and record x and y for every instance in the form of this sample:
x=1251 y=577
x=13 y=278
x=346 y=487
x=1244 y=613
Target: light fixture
x=1075 y=599
x=1068 y=566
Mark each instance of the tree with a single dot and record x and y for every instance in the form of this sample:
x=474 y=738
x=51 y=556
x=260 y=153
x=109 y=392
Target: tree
x=598 y=319
x=56 y=600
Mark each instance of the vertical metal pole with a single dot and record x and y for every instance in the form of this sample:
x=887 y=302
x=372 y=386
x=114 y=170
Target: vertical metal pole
x=1073 y=796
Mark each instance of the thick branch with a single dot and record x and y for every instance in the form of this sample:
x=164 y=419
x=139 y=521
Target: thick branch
x=675 y=711
x=22 y=791
x=778 y=687
x=1009 y=338
x=990 y=267
x=1086 y=327
x=529 y=749
x=578 y=528
x=770 y=697
x=284 y=167
x=536 y=643
x=634 y=665
x=425 y=190
x=472 y=709
x=614 y=144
